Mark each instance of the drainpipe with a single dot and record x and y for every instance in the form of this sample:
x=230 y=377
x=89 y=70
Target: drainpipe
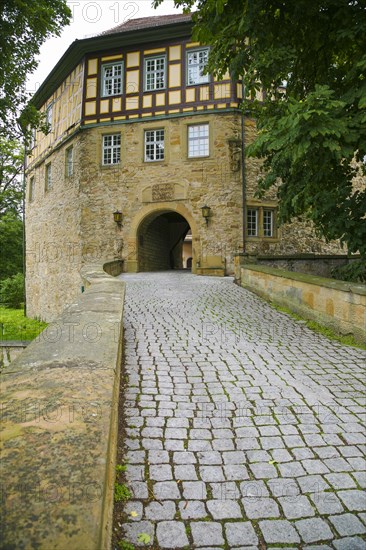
x=24 y=241
x=243 y=174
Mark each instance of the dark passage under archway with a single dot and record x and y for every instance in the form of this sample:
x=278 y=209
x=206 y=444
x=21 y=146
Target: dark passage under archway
x=160 y=241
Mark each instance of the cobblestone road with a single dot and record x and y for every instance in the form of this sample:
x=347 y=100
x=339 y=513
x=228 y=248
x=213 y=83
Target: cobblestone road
x=244 y=428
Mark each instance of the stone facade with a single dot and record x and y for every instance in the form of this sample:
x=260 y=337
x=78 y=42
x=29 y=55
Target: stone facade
x=70 y=221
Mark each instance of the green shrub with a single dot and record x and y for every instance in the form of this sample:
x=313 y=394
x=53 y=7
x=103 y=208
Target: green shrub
x=354 y=272
x=12 y=291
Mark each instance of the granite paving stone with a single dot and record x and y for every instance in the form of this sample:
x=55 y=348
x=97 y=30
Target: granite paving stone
x=314 y=529
x=350 y=543
x=171 y=534
x=205 y=534
x=347 y=524
x=238 y=534
x=242 y=425
x=296 y=508
x=278 y=531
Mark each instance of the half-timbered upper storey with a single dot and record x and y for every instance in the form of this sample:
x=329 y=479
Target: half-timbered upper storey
x=143 y=69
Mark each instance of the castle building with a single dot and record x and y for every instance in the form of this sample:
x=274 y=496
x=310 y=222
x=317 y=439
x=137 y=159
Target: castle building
x=143 y=163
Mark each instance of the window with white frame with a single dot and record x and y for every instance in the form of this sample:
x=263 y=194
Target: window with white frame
x=196 y=63
x=261 y=222
x=49 y=113
x=154 y=145
x=32 y=187
x=112 y=79
x=198 y=140
x=69 y=161
x=252 y=222
x=268 y=218
x=155 y=73
x=32 y=138
x=111 y=149
x=48 y=177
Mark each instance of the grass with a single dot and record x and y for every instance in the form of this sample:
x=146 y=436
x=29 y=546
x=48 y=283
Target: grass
x=14 y=326
x=347 y=340
x=121 y=492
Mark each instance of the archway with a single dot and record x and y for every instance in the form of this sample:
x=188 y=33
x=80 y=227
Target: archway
x=148 y=213
x=160 y=241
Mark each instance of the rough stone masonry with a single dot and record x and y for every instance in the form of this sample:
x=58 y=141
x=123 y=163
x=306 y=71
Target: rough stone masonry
x=244 y=428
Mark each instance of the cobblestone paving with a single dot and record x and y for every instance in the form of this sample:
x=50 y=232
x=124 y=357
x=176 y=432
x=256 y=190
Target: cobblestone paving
x=244 y=428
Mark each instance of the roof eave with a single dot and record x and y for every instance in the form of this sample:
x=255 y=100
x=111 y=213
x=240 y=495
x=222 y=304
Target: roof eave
x=79 y=48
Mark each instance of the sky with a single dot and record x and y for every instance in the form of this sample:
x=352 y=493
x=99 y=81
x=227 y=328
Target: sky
x=91 y=18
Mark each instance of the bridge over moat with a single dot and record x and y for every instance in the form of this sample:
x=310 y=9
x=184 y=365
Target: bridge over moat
x=243 y=427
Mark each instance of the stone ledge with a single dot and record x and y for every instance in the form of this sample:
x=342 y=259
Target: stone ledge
x=344 y=286
x=337 y=305
x=59 y=426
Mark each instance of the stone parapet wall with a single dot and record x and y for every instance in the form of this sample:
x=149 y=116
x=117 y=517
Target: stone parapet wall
x=335 y=304
x=313 y=264
x=59 y=429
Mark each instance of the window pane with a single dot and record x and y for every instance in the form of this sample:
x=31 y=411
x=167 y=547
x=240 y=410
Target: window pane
x=268 y=223
x=155 y=73
x=196 y=63
x=198 y=141
x=252 y=222
x=154 y=145
x=112 y=79
x=112 y=149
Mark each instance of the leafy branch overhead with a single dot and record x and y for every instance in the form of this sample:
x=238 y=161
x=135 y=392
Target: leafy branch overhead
x=309 y=58
x=24 y=27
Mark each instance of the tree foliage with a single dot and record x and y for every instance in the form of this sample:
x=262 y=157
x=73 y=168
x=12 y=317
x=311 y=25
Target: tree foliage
x=312 y=130
x=11 y=245
x=24 y=26
x=11 y=167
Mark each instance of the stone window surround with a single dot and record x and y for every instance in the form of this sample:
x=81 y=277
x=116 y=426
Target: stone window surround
x=260 y=207
x=113 y=78
x=197 y=121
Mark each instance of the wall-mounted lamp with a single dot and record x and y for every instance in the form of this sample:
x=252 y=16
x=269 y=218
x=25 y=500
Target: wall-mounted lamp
x=117 y=216
x=206 y=212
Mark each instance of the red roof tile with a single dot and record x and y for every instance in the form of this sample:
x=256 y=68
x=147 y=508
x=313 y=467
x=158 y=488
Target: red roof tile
x=149 y=22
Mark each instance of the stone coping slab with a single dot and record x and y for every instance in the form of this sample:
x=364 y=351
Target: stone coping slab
x=59 y=426
x=355 y=288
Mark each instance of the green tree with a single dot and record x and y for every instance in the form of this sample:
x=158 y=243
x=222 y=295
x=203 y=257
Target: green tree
x=309 y=58
x=11 y=245
x=11 y=168
x=24 y=26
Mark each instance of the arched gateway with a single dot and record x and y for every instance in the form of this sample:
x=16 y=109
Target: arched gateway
x=157 y=236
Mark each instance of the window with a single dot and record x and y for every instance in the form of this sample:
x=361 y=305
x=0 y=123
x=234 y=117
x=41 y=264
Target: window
x=32 y=139
x=267 y=223
x=154 y=73
x=112 y=149
x=112 y=79
x=196 y=63
x=49 y=113
x=198 y=141
x=154 y=145
x=252 y=222
x=261 y=222
x=48 y=182
x=31 y=189
x=69 y=161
